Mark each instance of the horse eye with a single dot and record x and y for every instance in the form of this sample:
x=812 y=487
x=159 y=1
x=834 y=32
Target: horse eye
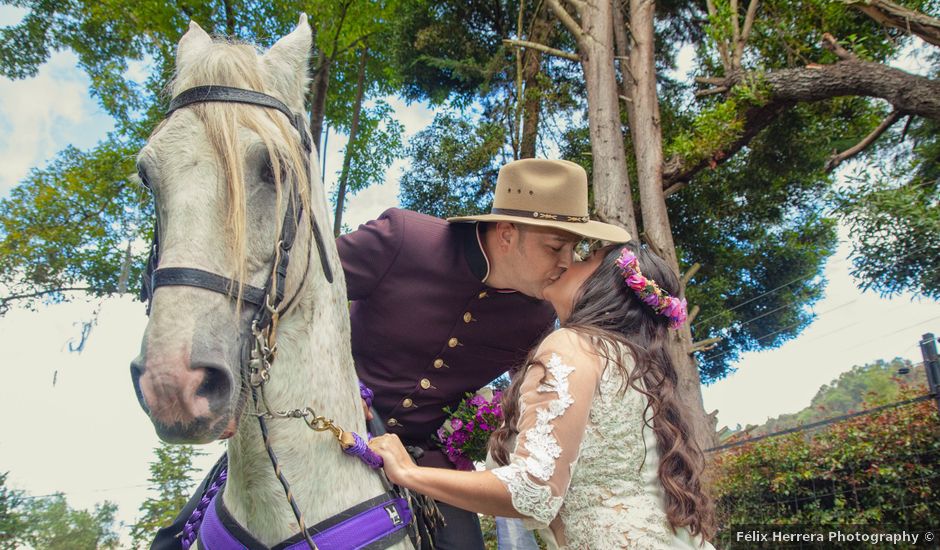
x=267 y=172
x=142 y=174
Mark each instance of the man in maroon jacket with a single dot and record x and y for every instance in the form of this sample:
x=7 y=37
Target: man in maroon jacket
x=441 y=308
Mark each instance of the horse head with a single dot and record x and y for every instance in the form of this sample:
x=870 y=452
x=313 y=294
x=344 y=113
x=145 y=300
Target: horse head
x=227 y=179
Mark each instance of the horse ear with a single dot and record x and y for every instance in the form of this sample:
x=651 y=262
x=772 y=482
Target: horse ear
x=195 y=40
x=288 y=58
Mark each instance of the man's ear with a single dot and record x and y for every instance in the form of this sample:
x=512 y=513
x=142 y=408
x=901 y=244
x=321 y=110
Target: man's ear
x=506 y=233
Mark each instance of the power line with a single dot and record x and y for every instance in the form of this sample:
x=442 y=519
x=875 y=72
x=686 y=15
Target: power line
x=781 y=287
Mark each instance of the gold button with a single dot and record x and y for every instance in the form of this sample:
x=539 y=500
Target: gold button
x=482 y=295
x=467 y=317
x=407 y=403
x=453 y=342
x=392 y=422
x=438 y=363
x=425 y=383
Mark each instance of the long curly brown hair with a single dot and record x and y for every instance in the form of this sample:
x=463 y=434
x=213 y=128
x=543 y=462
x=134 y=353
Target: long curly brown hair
x=607 y=312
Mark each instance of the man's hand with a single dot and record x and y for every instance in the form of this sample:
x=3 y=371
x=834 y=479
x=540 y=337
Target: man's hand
x=398 y=463
x=366 y=409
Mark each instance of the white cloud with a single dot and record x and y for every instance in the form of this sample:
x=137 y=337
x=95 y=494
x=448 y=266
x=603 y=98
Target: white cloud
x=40 y=115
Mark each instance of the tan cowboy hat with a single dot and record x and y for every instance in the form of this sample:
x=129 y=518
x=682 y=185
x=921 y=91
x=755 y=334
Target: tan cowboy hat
x=548 y=193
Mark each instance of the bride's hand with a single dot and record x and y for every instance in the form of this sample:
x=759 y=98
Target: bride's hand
x=398 y=463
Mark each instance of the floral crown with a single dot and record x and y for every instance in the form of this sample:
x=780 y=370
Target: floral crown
x=649 y=292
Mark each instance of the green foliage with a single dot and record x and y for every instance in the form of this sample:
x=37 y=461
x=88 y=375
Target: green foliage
x=872 y=384
x=377 y=145
x=68 y=226
x=893 y=212
x=454 y=167
x=169 y=478
x=12 y=520
x=48 y=522
x=879 y=469
x=451 y=49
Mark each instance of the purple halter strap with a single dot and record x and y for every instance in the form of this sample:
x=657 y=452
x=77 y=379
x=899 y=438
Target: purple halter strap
x=376 y=523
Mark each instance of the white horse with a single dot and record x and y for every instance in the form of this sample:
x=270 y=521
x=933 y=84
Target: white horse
x=223 y=175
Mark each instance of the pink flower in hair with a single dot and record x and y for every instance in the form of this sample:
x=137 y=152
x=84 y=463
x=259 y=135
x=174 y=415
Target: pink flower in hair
x=636 y=282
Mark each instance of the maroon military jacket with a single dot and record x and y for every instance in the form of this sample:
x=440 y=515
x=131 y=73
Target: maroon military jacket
x=425 y=328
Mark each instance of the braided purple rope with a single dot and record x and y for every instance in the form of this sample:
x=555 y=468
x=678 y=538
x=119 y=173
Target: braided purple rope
x=366 y=394
x=191 y=529
x=361 y=449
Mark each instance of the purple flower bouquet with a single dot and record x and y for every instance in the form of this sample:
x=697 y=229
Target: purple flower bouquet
x=463 y=436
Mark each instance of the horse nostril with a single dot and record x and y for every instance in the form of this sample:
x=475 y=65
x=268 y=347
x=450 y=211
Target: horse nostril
x=136 y=372
x=216 y=384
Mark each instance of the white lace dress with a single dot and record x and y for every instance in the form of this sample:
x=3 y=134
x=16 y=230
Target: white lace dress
x=578 y=472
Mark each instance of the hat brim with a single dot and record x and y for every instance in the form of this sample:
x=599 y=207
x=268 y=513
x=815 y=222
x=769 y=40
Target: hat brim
x=591 y=230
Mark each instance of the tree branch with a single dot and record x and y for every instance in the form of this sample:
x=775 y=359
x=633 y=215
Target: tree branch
x=890 y=14
x=908 y=93
x=722 y=47
x=4 y=300
x=745 y=33
x=542 y=48
x=831 y=44
x=712 y=91
x=836 y=160
x=693 y=314
x=687 y=276
x=704 y=345
x=566 y=19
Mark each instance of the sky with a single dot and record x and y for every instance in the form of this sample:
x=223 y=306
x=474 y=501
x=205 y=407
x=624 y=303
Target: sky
x=72 y=424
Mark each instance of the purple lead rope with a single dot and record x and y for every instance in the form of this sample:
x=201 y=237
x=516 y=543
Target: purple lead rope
x=191 y=529
x=366 y=393
x=361 y=449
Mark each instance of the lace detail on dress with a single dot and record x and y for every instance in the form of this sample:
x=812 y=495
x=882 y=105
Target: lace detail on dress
x=615 y=499
x=529 y=497
x=540 y=441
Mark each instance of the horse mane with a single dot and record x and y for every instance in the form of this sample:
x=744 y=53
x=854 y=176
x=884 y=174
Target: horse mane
x=238 y=65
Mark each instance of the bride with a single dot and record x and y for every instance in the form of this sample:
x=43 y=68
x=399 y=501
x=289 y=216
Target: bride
x=595 y=452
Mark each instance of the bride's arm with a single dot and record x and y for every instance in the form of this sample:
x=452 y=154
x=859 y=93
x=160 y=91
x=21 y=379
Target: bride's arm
x=556 y=403
x=478 y=492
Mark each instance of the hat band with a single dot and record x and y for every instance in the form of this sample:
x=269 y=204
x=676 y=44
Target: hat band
x=540 y=215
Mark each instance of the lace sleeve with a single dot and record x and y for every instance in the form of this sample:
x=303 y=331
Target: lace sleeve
x=556 y=397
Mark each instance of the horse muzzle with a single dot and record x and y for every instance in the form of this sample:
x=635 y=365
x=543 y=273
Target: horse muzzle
x=193 y=403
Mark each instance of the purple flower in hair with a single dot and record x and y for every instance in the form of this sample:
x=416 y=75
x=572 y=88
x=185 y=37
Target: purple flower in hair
x=649 y=292
x=651 y=300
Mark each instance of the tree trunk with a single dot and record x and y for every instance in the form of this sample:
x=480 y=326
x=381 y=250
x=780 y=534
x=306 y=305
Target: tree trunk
x=353 y=133
x=542 y=28
x=648 y=147
x=318 y=89
x=612 y=196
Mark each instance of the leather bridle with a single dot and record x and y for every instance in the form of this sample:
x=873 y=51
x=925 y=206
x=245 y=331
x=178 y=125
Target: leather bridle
x=267 y=300
x=260 y=348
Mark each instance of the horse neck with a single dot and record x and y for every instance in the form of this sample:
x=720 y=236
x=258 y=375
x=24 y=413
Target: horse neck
x=313 y=368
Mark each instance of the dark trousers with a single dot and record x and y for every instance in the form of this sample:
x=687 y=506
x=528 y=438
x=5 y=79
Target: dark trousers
x=462 y=531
